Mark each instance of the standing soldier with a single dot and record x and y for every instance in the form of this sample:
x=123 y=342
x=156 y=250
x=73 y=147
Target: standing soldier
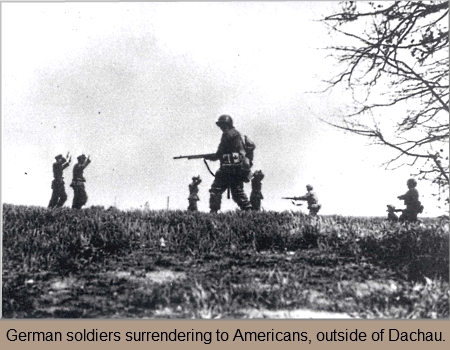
x=256 y=195
x=234 y=167
x=312 y=200
x=411 y=200
x=59 y=195
x=79 y=193
x=193 y=193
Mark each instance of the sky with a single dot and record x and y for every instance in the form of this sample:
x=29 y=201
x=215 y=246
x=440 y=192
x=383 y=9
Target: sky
x=135 y=84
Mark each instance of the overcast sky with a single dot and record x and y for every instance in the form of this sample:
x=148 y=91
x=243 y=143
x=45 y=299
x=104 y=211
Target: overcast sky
x=135 y=84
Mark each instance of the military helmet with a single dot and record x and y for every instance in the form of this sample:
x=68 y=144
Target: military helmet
x=81 y=157
x=309 y=187
x=412 y=182
x=59 y=156
x=225 y=120
x=390 y=207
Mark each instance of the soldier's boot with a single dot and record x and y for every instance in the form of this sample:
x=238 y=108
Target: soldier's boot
x=256 y=204
x=53 y=200
x=215 y=201
x=83 y=198
x=77 y=196
x=239 y=196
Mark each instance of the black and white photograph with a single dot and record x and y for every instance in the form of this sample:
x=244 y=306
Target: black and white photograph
x=225 y=160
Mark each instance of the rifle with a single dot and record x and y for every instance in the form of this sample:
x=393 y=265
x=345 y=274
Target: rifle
x=292 y=200
x=197 y=156
x=395 y=210
x=392 y=209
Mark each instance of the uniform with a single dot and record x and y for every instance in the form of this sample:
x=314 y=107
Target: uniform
x=391 y=214
x=413 y=205
x=313 y=202
x=256 y=195
x=234 y=170
x=79 y=193
x=59 y=195
x=193 y=193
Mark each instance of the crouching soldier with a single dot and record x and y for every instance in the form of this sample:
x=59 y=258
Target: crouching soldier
x=313 y=201
x=59 y=195
x=193 y=193
x=256 y=195
x=411 y=200
x=79 y=193
x=392 y=217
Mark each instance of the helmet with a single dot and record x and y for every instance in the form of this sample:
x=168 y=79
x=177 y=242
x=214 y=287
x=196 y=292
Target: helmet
x=81 y=157
x=309 y=187
x=390 y=207
x=225 y=120
x=59 y=156
x=411 y=182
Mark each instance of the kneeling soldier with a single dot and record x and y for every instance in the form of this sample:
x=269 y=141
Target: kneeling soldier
x=411 y=200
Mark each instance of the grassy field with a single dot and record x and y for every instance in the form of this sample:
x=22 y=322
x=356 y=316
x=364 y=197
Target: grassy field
x=98 y=263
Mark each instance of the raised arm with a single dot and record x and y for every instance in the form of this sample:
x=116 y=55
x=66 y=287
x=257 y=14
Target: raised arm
x=86 y=162
x=66 y=164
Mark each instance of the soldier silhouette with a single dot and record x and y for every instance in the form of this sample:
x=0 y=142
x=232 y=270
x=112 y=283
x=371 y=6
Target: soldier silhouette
x=234 y=167
x=391 y=213
x=256 y=194
x=59 y=195
x=313 y=201
x=79 y=193
x=193 y=193
x=411 y=200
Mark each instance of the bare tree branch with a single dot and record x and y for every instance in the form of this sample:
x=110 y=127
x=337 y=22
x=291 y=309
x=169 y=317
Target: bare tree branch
x=399 y=60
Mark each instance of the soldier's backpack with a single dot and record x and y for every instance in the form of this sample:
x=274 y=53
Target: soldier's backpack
x=420 y=211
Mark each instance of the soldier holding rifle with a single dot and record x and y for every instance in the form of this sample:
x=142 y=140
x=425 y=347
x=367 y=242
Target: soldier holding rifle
x=234 y=166
x=411 y=200
x=311 y=198
x=59 y=195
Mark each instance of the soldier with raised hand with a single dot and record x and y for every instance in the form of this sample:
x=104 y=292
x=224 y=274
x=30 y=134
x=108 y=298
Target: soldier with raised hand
x=411 y=200
x=79 y=193
x=256 y=195
x=392 y=217
x=59 y=195
x=313 y=201
x=193 y=193
x=234 y=167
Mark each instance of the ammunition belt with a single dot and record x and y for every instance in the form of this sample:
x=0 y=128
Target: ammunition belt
x=231 y=159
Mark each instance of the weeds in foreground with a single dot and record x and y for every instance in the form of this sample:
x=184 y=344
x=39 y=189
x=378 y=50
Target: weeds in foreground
x=264 y=260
